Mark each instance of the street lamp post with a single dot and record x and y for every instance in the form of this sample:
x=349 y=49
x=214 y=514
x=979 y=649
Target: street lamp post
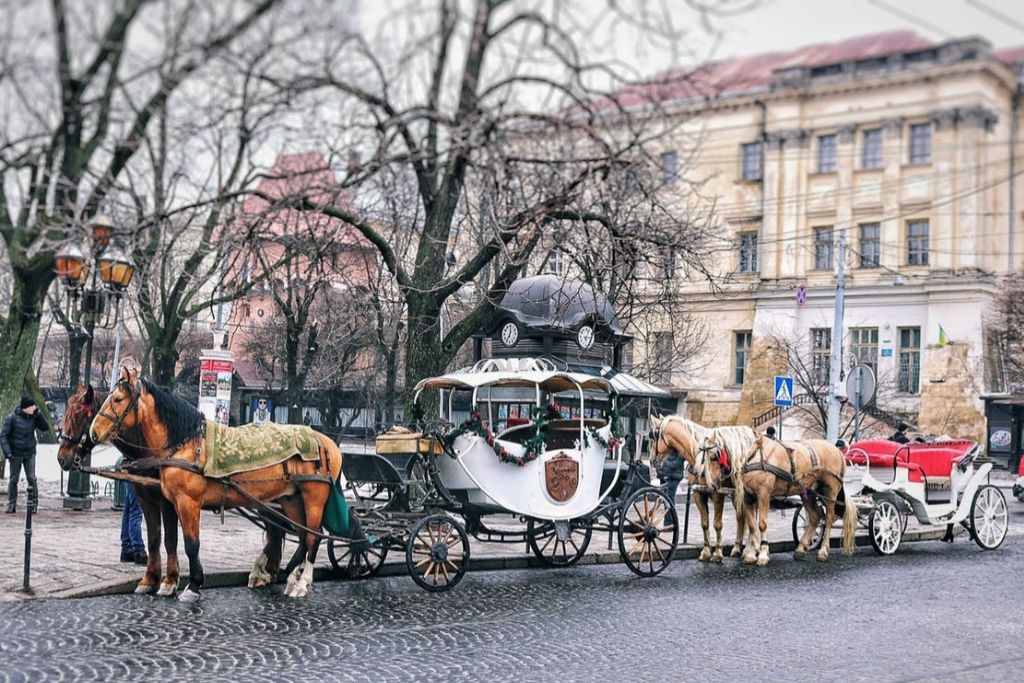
x=93 y=281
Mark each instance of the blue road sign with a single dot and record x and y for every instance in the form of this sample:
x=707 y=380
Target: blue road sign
x=784 y=391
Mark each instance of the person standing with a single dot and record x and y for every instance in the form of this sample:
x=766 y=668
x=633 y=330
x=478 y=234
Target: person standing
x=901 y=433
x=132 y=547
x=18 y=442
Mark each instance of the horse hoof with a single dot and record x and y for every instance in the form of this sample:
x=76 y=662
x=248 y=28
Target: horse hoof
x=260 y=581
x=144 y=589
x=298 y=591
x=762 y=561
x=167 y=589
x=716 y=558
x=188 y=595
x=799 y=554
x=704 y=556
x=822 y=557
x=736 y=552
x=749 y=559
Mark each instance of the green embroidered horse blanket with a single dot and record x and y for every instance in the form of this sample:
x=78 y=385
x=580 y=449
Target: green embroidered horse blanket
x=230 y=450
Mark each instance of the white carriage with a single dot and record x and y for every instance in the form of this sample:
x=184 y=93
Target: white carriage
x=938 y=483
x=536 y=446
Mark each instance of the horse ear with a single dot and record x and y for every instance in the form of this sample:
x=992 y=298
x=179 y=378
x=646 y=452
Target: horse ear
x=655 y=422
x=129 y=371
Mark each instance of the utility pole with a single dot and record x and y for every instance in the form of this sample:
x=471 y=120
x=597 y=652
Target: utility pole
x=836 y=357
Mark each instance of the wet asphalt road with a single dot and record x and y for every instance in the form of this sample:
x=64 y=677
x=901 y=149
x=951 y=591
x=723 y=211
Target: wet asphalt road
x=931 y=612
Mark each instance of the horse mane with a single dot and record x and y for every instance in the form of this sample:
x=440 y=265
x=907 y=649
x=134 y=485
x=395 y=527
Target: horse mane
x=181 y=419
x=737 y=442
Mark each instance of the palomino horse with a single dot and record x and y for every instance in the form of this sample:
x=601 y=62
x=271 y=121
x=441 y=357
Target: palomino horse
x=813 y=469
x=75 y=445
x=685 y=437
x=174 y=434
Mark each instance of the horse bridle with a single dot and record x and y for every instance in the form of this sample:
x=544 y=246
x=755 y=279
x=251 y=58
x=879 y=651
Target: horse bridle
x=118 y=420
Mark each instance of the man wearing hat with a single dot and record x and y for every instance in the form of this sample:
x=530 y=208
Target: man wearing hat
x=18 y=442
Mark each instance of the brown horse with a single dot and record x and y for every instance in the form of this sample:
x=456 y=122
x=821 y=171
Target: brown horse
x=685 y=437
x=813 y=469
x=173 y=434
x=74 y=441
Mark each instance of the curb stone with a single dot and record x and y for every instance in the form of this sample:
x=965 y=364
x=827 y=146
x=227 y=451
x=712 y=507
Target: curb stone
x=231 y=579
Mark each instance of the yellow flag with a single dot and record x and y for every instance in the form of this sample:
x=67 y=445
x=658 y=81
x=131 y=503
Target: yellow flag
x=943 y=339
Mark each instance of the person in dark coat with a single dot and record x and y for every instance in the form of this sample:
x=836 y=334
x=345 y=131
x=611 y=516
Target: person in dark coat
x=670 y=473
x=900 y=436
x=18 y=442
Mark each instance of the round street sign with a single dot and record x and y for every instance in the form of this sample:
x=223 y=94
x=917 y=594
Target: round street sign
x=860 y=386
x=801 y=295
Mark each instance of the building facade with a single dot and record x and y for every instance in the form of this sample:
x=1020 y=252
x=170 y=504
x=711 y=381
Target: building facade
x=904 y=149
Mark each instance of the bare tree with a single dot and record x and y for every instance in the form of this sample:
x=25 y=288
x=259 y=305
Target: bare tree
x=504 y=128
x=1004 y=335
x=68 y=139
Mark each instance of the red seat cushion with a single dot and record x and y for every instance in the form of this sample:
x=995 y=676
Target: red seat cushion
x=517 y=421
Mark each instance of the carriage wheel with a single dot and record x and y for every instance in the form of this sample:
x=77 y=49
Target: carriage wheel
x=356 y=560
x=648 y=532
x=800 y=523
x=437 y=553
x=885 y=527
x=989 y=517
x=558 y=544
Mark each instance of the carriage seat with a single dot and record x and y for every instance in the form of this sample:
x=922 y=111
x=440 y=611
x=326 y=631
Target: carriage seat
x=932 y=463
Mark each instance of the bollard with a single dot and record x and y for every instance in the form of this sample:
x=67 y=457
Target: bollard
x=28 y=540
x=686 y=516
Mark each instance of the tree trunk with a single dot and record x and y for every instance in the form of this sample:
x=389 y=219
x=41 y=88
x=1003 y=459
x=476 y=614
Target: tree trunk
x=164 y=353
x=425 y=356
x=293 y=382
x=18 y=335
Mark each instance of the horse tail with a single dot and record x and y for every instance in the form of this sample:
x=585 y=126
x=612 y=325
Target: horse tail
x=849 y=521
x=739 y=492
x=332 y=456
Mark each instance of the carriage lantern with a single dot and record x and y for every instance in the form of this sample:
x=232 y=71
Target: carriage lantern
x=94 y=280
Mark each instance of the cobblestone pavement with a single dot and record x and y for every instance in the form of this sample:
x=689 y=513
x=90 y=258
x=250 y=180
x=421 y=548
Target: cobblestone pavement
x=931 y=612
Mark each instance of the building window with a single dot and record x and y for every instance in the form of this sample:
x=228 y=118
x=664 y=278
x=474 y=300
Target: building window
x=823 y=248
x=921 y=143
x=821 y=355
x=742 y=354
x=917 y=243
x=910 y=359
x=870 y=245
x=871 y=152
x=752 y=161
x=748 y=252
x=864 y=346
x=556 y=262
x=669 y=168
x=827 y=153
x=663 y=345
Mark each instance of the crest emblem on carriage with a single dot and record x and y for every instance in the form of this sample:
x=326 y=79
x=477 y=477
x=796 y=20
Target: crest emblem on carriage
x=562 y=476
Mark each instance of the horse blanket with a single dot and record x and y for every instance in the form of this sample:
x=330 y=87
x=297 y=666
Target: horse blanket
x=230 y=450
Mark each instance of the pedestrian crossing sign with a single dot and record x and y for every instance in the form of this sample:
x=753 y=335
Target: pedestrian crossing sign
x=784 y=391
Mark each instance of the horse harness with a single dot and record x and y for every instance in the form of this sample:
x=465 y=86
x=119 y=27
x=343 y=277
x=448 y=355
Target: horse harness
x=194 y=466
x=789 y=477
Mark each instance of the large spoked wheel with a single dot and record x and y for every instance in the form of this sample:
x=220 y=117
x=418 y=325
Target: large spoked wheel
x=437 y=553
x=648 y=532
x=800 y=525
x=356 y=560
x=885 y=525
x=989 y=517
x=558 y=544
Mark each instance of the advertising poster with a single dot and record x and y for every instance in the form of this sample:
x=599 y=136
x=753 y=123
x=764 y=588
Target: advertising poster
x=215 y=387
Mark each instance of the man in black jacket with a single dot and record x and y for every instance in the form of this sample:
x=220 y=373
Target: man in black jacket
x=18 y=442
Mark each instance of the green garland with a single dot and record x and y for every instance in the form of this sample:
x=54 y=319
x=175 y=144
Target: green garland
x=614 y=440
x=534 y=445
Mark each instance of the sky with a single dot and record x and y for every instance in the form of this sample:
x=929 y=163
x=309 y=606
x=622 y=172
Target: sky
x=771 y=25
x=781 y=24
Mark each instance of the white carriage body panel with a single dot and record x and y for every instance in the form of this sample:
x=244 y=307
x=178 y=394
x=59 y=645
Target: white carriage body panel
x=523 y=490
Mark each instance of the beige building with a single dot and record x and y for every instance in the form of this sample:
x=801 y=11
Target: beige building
x=903 y=145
